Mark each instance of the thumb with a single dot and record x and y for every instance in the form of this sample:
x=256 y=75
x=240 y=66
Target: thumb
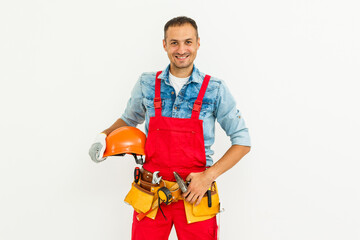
x=189 y=177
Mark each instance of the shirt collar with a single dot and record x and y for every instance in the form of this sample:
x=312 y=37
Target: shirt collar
x=194 y=77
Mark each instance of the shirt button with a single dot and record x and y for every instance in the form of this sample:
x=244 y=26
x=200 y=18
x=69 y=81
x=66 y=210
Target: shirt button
x=175 y=108
x=172 y=93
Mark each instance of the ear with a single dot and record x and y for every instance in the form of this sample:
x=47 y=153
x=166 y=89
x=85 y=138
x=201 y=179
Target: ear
x=198 y=43
x=164 y=44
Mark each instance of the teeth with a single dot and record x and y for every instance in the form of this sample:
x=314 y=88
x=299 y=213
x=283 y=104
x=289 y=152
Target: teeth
x=182 y=57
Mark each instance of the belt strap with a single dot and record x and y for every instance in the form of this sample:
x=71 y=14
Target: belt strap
x=146 y=175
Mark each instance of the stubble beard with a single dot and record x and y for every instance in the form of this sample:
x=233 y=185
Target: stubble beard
x=180 y=66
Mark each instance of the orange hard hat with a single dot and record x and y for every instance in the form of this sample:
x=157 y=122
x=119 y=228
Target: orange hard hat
x=124 y=140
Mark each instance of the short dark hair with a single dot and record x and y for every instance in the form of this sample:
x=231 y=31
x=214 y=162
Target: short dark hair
x=179 y=21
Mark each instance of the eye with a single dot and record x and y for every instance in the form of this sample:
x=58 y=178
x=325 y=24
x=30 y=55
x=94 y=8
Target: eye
x=188 y=42
x=173 y=43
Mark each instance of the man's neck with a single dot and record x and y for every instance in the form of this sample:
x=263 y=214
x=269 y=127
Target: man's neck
x=181 y=72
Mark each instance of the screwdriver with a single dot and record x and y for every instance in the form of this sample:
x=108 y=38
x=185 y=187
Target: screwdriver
x=136 y=174
x=209 y=197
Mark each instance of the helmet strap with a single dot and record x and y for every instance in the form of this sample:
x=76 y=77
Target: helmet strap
x=139 y=160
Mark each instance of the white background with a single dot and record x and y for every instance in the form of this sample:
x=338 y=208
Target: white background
x=66 y=71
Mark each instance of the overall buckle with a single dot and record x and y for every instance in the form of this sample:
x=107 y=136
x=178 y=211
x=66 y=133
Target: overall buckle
x=197 y=105
x=157 y=102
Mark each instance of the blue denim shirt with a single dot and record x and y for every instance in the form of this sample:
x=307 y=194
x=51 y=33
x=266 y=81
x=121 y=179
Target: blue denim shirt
x=218 y=104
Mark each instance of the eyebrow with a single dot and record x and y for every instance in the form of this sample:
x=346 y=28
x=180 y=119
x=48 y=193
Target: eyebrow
x=178 y=40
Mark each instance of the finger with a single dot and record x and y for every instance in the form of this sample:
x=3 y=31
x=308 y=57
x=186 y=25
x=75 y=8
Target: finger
x=198 y=201
x=194 y=199
x=101 y=151
x=100 y=160
x=93 y=156
x=190 y=197
x=188 y=191
x=96 y=155
x=92 y=152
x=186 y=194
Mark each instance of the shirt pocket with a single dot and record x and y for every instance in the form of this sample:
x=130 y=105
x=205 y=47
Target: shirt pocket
x=149 y=105
x=207 y=109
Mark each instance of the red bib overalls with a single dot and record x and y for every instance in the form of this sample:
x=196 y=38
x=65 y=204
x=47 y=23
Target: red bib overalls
x=175 y=144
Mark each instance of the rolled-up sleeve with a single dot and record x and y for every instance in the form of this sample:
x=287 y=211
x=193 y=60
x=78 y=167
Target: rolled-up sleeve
x=229 y=117
x=134 y=113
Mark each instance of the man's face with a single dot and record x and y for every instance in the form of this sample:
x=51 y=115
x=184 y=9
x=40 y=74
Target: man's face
x=181 y=46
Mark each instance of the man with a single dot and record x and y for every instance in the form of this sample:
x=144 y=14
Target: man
x=180 y=106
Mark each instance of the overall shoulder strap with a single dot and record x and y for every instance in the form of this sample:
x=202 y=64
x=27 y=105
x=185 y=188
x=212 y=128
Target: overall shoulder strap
x=198 y=102
x=157 y=99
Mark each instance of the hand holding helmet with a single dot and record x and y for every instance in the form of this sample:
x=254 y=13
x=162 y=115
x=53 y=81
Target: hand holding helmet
x=121 y=141
x=97 y=149
x=126 y=140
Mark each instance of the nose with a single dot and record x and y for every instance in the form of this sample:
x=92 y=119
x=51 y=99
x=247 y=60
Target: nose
x=182 y=48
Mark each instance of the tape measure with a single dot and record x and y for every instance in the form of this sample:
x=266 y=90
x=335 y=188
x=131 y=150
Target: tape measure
x=165 y=195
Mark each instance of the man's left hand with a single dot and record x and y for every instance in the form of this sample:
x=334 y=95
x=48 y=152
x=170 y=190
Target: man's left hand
x=199 y=184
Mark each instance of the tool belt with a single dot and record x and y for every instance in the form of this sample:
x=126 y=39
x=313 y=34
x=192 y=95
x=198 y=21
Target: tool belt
x=143 y=197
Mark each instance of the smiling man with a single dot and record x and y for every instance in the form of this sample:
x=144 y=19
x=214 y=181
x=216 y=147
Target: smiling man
x=179 y=106
x=181 y=44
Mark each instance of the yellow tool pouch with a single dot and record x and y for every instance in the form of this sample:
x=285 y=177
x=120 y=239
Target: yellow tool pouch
x=202 y=211
x=141 y=198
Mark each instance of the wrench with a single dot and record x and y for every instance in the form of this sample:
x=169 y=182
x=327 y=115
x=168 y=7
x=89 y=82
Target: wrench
x=156 y=179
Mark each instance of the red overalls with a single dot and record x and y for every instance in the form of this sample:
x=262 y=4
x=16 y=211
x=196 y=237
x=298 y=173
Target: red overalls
x=175 y=144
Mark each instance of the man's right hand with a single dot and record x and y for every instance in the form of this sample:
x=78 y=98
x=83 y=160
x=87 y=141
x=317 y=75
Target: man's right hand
x=97 y=150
